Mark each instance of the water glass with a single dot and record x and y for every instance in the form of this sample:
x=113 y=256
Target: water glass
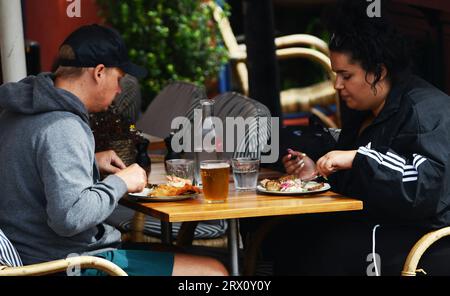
x=181 y=168
x=245 y=173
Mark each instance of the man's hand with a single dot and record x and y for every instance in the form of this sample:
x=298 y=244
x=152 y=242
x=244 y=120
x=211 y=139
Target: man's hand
x=334 y=161
x=297 y=163
x=135 y=178
x=108 y=162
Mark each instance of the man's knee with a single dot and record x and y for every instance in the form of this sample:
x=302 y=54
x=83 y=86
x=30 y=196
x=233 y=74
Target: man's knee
x=217 y=268
x=198 y=265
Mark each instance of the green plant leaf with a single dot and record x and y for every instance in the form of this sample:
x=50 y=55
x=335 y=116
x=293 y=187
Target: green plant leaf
x=173 y=39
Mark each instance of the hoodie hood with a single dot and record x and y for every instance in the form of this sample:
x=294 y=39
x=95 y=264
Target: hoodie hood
x=38 y=94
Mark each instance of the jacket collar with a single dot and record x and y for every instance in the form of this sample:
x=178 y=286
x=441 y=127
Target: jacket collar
x=393 y=100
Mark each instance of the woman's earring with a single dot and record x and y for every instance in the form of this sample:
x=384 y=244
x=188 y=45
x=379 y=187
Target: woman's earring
x=374 y=90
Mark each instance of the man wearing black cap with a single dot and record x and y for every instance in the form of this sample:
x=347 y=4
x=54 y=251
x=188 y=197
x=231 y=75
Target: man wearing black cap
x=53 y=203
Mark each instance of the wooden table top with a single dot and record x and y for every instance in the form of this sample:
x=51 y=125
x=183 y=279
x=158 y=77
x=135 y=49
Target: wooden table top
x=240 y=204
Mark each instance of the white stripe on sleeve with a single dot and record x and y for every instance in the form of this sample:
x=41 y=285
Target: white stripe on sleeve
x=395 y=162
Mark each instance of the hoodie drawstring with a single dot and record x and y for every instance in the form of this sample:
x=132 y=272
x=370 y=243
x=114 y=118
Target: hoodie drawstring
x=373 y=249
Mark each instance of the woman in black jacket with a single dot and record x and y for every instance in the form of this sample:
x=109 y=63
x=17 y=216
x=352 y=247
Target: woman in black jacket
x=393 y=153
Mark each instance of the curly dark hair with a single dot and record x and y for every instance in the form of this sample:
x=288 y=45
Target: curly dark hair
x=372 y=42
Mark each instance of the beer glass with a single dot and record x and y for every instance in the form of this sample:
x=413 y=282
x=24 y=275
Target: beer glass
x=215 y=177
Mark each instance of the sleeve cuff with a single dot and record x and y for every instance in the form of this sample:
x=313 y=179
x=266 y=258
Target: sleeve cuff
x=117 y=184
x=359 y=157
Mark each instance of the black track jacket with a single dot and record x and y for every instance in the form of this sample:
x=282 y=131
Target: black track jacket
x=402 y=168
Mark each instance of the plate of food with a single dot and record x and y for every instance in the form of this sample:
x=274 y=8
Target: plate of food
x=291 y=185
x=175 y=189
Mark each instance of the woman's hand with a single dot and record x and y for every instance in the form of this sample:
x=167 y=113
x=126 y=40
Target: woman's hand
x=297 y=163
x=334 y=161
x=108 y=162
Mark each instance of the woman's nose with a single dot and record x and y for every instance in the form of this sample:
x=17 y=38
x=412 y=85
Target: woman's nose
x=338 y=85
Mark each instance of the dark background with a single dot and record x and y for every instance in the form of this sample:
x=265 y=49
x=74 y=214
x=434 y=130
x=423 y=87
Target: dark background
x=426 y=23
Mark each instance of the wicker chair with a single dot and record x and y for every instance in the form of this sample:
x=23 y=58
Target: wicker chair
x=56 y=266
x=172 y=101
x=287 y=47
x=422 y=245
x=11 y=264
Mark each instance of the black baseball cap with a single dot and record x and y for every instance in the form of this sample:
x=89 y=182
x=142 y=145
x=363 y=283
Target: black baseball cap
x=94 y=45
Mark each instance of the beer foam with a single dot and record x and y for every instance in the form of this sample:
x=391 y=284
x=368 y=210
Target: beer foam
x=214 y=165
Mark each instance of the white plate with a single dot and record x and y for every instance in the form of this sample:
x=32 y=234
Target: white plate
x=143 y=196
x=261 y=189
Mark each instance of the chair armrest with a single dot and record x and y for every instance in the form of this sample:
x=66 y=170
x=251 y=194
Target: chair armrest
x=410 y=266
x=284 y=53
x=296 y=40
x=293 y=52
x=311 y=54
x=328 y=122
x=302 y=39
x=62 y=265
x=238 y=56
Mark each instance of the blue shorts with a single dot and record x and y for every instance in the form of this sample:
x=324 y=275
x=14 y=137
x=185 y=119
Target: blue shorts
x=136 y=262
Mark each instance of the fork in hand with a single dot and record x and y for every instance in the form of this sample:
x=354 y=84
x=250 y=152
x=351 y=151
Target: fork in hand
x=316 y=177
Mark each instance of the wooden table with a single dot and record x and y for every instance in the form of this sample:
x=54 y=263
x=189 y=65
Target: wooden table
x=239 y=205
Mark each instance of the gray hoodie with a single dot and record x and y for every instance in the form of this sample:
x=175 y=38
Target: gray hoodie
x=51 y=201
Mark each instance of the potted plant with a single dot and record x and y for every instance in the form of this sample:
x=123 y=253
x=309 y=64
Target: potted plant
x=173 y=39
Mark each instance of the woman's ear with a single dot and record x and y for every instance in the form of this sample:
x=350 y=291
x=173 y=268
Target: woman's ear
x=384 y=72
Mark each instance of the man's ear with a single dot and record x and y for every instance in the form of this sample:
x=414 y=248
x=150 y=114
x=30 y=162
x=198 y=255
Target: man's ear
x=99 y=72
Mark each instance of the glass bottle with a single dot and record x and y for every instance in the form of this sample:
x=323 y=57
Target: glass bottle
x=207 y=142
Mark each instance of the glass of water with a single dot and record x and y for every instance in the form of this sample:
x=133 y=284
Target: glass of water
x=245 y=173
x=181 y=168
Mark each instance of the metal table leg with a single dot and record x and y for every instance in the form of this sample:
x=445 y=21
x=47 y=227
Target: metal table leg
x=233 y=245
x=166 y=233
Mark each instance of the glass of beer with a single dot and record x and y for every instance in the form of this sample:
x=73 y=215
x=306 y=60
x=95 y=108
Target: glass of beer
x=215 y=178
